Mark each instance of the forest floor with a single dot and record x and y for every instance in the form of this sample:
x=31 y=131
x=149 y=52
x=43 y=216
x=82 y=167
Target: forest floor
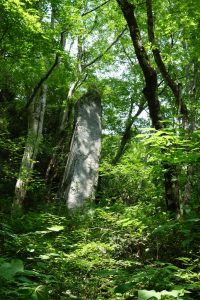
x=109 y=252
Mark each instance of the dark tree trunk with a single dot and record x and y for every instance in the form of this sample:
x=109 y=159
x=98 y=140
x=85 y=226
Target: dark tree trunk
x=171 y=188
x=150 y=75
x=175 y=87
x=151 y=94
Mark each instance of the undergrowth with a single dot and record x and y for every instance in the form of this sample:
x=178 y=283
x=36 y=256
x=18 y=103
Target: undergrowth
x=110 y=252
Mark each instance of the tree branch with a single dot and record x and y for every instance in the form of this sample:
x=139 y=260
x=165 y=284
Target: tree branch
x=93 y=9
x=109 y=47
x=175 y=87
x=42 y=80
x=150 y=75
x=128 y=56
x=47 y=74
x=127 y=132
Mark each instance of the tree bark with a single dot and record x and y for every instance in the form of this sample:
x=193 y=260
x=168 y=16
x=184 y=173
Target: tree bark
x=172 y=193
x=35 y=126
x=150 y=75
x=81 y=170
x=151 y=94
x=175 y=87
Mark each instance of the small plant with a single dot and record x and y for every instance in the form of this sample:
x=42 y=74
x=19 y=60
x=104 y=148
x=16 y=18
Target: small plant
x=19 y=282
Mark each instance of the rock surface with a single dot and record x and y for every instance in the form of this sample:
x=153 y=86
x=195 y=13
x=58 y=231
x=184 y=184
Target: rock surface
x=81 y=171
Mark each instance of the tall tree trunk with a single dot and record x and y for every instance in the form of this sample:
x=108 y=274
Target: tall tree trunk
x=172 y=192
x=81 y=170
x=35 y=106
x=151 y=94
x=36 y=112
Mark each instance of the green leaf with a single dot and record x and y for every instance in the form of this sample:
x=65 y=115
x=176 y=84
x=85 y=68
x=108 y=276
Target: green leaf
x=107 y=273
x=40 y=293
x=9 y=270
x=44 y=256
x=145 y=294
x=124 y=288
x=55 y=228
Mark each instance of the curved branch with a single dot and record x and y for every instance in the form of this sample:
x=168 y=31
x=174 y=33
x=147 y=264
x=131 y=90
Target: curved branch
x=175 y=87
x=150 y=75
x=127 y=132
x=42 y=80
x=109 y=47
x=47 y=74
x=93 y=9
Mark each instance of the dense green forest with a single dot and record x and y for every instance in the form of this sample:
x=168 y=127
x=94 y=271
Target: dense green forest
x=99 y=149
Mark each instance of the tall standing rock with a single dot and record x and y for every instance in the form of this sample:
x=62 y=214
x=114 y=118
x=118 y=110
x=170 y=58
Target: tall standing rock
x=81 y=170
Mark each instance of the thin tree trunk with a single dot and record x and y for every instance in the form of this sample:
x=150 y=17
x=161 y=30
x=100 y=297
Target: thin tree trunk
x=126 y=136
x=61 y=150
x=35 y=106
x=192 y=90
x=172 y=193
x=64 y=132
x=36 y=112
x=193 y=95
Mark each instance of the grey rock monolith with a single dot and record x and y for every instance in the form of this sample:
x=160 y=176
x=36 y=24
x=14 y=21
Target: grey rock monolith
x=81 y=171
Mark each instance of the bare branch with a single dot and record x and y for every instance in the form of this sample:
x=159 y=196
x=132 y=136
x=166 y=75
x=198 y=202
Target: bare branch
x=127 y=55
x=94 y=25
x=126 y=136
x=109 y=47
x=82 y=81
x=93 y=9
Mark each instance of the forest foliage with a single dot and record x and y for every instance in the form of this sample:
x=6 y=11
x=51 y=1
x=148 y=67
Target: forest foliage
x=139 y=238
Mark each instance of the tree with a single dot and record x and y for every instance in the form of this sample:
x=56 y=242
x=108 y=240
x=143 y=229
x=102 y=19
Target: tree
x=69 y=52
x=151 y=94
x=36 y=105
